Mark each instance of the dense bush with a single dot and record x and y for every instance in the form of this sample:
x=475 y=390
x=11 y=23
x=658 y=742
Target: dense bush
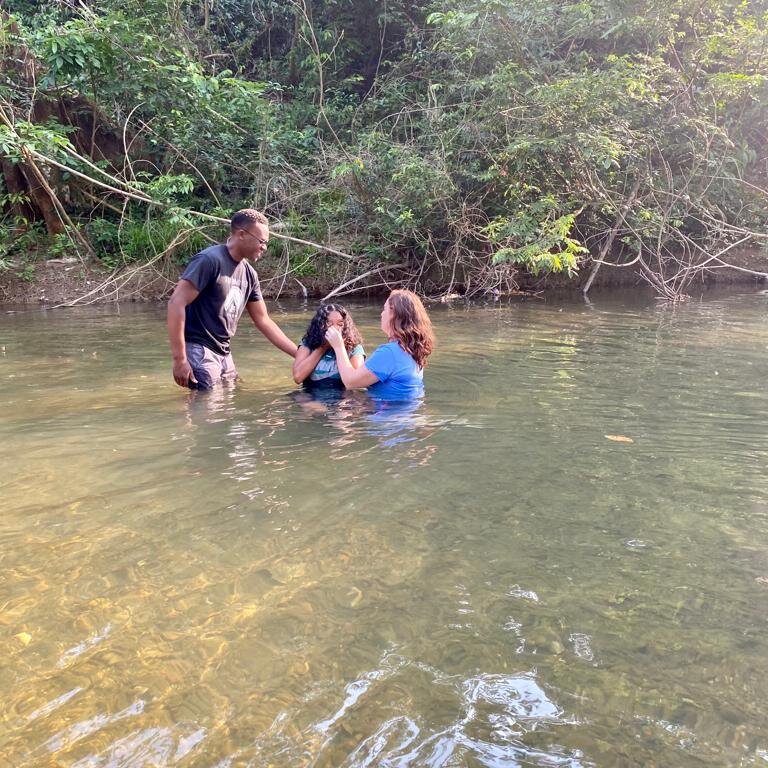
x=465 y=140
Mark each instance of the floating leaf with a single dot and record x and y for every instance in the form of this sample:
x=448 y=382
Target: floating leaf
x=24 y=637
x=620 y=438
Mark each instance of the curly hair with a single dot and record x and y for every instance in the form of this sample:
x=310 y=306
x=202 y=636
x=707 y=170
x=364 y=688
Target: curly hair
x=318 y=325
x=245 y=217
x=411 y=326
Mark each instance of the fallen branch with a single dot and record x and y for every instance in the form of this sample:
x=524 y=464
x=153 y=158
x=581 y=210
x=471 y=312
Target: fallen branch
x=58 y=207
x=149 y=201
x=611 y=236
x=614 y=264
x=379 y=268
x=136 y=195
x=124 y=277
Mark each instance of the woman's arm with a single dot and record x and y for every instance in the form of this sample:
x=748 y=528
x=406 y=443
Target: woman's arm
x=357 y=361
x=352 y=377
x=306 y=361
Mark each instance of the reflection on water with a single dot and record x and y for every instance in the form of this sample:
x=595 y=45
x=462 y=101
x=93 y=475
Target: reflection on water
x=558 y=558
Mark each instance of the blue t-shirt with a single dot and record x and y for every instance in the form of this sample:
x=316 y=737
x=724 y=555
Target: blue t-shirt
x=225 y=286
x=326 y=372
x=399 y=378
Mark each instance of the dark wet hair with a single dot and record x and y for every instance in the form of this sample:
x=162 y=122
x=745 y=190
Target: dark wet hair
x=318 y=325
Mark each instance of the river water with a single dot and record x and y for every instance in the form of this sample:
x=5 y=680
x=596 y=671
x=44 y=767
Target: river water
x=559 y=559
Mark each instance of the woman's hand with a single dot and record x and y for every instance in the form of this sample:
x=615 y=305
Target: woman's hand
x=334 y=338
x=351 y=376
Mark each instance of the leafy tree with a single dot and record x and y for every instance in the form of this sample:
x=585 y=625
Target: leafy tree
x=466 y=140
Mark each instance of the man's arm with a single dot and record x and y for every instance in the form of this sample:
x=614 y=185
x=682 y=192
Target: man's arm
x=184 y=293
x=271 y=330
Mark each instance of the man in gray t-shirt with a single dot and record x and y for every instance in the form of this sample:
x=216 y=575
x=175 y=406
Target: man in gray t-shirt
x=209 y=298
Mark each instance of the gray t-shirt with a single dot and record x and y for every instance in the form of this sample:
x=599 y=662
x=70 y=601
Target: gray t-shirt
x=225 y=286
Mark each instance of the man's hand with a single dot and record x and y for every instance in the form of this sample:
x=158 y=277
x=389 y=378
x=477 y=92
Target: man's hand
x=184 y=293
x=182 y=373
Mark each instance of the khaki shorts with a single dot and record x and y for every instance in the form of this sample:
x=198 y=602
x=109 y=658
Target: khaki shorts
x=208 y=367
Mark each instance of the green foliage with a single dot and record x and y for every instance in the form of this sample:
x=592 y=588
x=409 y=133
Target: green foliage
x=104 y=235
x=27 y=273
x=61 y=246
x=20 y=244
x=167 y=188
x=73 y=53
x=503 y=132
x=137 y=240
x=546 y=246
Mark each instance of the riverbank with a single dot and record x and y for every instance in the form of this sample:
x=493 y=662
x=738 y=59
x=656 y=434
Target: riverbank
x=68 y=281
x=72 y=281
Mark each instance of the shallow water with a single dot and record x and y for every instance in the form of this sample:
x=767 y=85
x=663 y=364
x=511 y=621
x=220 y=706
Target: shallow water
x=497 y=577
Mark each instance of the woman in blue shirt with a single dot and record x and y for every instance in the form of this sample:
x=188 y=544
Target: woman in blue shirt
x=315 y=362
x=395 y=371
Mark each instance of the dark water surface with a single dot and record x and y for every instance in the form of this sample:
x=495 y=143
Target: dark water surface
x=495 y=578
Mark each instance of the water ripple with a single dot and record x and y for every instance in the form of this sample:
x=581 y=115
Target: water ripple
x=523 y=594
x=494 y=716
x=85 y=728
x=582 y=646
x=72 y=653
x=518 y=695
x=54 y=704
x=148 y=747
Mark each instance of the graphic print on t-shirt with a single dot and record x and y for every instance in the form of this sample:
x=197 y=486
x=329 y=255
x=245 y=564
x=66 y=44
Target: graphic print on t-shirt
x=233 y=304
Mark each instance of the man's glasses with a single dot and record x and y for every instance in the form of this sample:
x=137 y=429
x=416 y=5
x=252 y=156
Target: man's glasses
x=257 y=239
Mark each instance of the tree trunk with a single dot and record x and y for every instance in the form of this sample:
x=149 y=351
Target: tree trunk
x=42 y=199
x=21 y=207
x=19 y=177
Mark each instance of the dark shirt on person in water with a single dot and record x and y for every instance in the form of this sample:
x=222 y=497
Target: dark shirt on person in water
x=225 y=287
